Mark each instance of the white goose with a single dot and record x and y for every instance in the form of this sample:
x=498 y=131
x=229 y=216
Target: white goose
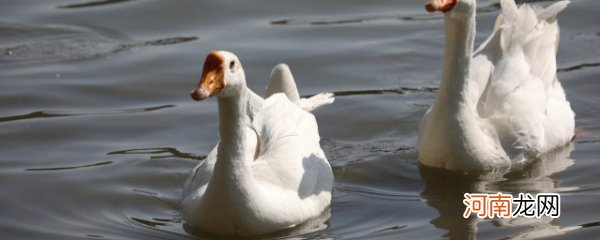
x=268 y=171
x=502 y=104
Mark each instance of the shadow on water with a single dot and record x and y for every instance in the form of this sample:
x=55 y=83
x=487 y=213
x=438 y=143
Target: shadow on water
x=444 y=191
x=93 y=4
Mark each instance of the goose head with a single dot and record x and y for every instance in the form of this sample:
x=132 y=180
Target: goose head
x=222 y=75
x=452 y=8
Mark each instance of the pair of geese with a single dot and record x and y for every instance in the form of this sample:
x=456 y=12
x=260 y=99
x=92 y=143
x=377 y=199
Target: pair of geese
x=499 y=105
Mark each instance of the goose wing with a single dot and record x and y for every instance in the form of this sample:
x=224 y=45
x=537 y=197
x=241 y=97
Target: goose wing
x=290 y=157
x=282 y=81
x=521 y=93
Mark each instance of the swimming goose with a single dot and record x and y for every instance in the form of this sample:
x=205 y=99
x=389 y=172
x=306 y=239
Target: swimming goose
x=502 y=104
x=268 y=171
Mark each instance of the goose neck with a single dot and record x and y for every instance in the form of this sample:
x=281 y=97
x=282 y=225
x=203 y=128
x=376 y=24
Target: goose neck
x=460 y=36
x=233 y=151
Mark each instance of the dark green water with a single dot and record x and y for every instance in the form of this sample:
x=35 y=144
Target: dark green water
x=98 y=132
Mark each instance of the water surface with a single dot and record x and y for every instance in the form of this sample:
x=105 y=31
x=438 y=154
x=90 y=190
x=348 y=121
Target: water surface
x=98 y=132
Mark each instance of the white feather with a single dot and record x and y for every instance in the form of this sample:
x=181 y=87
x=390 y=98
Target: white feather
x=267 y=173
x=282 y=81
x=511 y=106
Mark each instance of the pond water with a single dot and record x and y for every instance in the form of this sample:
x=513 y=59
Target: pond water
x=98 y=132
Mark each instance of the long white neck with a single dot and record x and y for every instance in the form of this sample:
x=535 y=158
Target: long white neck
x=460 y=36
x=237 y=142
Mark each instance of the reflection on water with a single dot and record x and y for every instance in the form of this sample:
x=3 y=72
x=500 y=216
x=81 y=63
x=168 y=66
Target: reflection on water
x=307 y=230
x=445 y=190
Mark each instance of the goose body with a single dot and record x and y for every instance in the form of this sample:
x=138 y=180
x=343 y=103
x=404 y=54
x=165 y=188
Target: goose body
x=268 y=171
x=502 y=104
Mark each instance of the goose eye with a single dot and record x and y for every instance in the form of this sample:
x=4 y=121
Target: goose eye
x=231 y=65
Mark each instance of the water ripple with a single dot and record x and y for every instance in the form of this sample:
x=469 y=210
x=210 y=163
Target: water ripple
x=376 y=192
x=392 y=228
x=588 y=141
x=591 y=224
x=70 y=167
x=37 y=114
x=165 y=152
x=55 y=43
x=43 y=114
x=326 y=21
x=149 y=223
x=400 y=90
x=351 y=20
x=169 y=41
x=578 y=67
x=92 y=4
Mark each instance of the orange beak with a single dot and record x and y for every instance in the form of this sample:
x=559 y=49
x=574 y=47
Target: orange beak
x=440 y=5
x=213 y=77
